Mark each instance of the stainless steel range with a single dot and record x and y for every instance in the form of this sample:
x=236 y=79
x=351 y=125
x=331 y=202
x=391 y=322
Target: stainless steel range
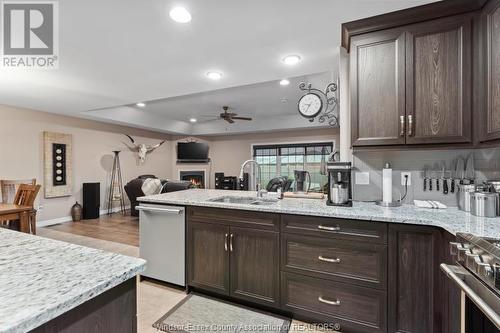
x=477 y=274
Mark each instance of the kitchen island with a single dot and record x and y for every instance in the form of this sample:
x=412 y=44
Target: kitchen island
x=364 y=268
x=52 y=286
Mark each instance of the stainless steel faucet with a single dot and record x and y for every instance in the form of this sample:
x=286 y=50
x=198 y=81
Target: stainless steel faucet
x=258 y=185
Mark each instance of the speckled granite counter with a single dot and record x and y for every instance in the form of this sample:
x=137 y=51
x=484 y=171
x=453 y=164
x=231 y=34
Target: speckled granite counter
x=40 y=278
x=450 y=219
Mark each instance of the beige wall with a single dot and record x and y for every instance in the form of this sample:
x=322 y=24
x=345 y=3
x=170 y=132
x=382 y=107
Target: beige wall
x=21 y=153
x=229 y=152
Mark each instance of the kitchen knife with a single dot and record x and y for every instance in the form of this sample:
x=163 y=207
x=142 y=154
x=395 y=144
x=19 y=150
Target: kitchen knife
x=469 y=169
x=436 y=175
x=453 y=176
x=460 y=170
x=445 y=180
x=425 y=178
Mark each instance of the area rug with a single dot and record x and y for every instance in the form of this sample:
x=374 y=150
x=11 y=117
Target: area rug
x=201 y=314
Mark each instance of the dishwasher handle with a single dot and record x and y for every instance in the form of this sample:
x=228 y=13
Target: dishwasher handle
x=160 y=210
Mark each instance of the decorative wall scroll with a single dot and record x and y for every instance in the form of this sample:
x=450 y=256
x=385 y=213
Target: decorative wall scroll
x=57 y=149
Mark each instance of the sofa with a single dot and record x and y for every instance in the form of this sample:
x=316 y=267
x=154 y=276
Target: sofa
x=134 y=189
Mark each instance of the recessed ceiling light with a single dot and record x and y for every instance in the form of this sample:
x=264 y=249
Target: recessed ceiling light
x=214 y=75
x=180 y=15
x=193 y=120
x=291 y=59
x=140 y=104
x=284 y=82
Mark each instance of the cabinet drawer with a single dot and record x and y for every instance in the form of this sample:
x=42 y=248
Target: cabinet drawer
x=352 y=262
x=234 y=217
x=364 y=231
x=355 y=309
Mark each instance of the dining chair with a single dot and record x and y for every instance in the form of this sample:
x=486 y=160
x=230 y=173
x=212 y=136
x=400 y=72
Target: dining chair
x=25 y=196
x=9 y=188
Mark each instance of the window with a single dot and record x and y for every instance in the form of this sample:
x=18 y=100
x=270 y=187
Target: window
x=281 y=160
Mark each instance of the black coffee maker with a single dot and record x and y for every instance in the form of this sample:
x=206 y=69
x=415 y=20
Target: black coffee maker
x=339 y=184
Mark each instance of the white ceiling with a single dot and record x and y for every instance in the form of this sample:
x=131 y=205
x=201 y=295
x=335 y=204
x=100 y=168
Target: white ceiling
x=114 y=53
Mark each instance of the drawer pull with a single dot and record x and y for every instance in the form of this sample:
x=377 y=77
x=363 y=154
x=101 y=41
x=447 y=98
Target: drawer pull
x=322 y=300
x=333 y=260
x=322 y=227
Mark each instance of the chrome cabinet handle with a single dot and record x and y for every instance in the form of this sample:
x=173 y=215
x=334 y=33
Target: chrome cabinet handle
x=333 y=260
x=231 y=242
x=410 y=125
x=402 y=125
x=225 y=242
x=322 y=227
x=322 y=300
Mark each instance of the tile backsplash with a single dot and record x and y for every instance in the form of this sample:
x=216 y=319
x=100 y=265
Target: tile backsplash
x=486 y=162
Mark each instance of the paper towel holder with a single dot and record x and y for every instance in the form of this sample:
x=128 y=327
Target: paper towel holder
x=392 y=203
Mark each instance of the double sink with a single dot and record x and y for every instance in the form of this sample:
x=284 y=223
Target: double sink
x=245 y=200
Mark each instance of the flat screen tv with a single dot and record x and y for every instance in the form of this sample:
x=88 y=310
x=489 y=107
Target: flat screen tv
x=192 y=152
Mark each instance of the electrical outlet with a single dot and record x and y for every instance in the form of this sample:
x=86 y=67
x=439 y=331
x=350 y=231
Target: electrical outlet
x=362 y=178
x=403 y=178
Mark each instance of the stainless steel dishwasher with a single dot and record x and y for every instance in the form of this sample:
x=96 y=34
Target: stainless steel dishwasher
x=162 y=242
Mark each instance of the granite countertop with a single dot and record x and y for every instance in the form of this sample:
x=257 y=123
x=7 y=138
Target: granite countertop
x=451 y=219
x=41 y=278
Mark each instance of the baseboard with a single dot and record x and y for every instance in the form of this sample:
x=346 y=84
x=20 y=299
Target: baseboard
x=65 y=219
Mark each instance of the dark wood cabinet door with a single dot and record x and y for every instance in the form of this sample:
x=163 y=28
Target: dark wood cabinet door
x=491 y=122
x=377 y=77
x=208 y=256
x=255 y=265
x=418 y=299
x=438 y=81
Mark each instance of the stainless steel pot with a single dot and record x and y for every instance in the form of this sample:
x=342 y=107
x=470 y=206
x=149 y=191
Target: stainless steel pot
x=339 y=194
x=464 y=196
x=484 y=204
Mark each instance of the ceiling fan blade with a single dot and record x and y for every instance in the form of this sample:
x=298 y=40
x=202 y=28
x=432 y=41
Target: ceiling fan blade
x=242 y=118
x=229 y=120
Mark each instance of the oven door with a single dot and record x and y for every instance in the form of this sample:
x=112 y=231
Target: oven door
x=480 y=306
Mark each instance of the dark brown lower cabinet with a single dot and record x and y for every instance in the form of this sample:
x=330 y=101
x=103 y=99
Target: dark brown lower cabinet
x=113 y=311
x=254 y=265
x=241 y=262
x=364 y=276
x=208 y=259
x=352 y=308
x=419 y=295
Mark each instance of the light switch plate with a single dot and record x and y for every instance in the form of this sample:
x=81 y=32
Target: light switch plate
x=362 y=178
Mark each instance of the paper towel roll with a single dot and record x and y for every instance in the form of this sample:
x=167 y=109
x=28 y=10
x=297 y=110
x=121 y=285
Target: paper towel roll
x=387 y=184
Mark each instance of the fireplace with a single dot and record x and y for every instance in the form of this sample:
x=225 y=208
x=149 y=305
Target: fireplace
x=196 y=177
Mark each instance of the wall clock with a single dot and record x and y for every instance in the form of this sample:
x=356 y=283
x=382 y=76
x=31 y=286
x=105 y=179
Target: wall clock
x=310 y=105
x=321 y=105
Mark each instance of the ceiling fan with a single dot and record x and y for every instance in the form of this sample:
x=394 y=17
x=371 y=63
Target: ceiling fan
x=230 y=116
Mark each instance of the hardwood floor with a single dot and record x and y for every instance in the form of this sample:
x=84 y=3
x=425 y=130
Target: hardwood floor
x=115 y=228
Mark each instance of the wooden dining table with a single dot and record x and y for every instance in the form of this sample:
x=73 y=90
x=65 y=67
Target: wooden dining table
x=10 y=212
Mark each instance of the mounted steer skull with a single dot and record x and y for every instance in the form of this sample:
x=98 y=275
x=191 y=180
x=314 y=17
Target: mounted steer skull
x=143 y=149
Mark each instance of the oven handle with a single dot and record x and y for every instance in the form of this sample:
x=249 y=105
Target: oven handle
x=485 y=308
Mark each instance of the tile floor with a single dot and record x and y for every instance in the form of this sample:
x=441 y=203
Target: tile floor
x=154 y=299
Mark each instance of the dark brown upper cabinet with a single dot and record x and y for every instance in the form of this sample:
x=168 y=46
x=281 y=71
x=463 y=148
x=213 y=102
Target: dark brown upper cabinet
x=412 y=84
x=377 y=78
x=438 y=81
x=491 y=121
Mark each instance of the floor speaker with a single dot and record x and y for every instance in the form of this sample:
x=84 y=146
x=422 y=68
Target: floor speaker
x=91 y=200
